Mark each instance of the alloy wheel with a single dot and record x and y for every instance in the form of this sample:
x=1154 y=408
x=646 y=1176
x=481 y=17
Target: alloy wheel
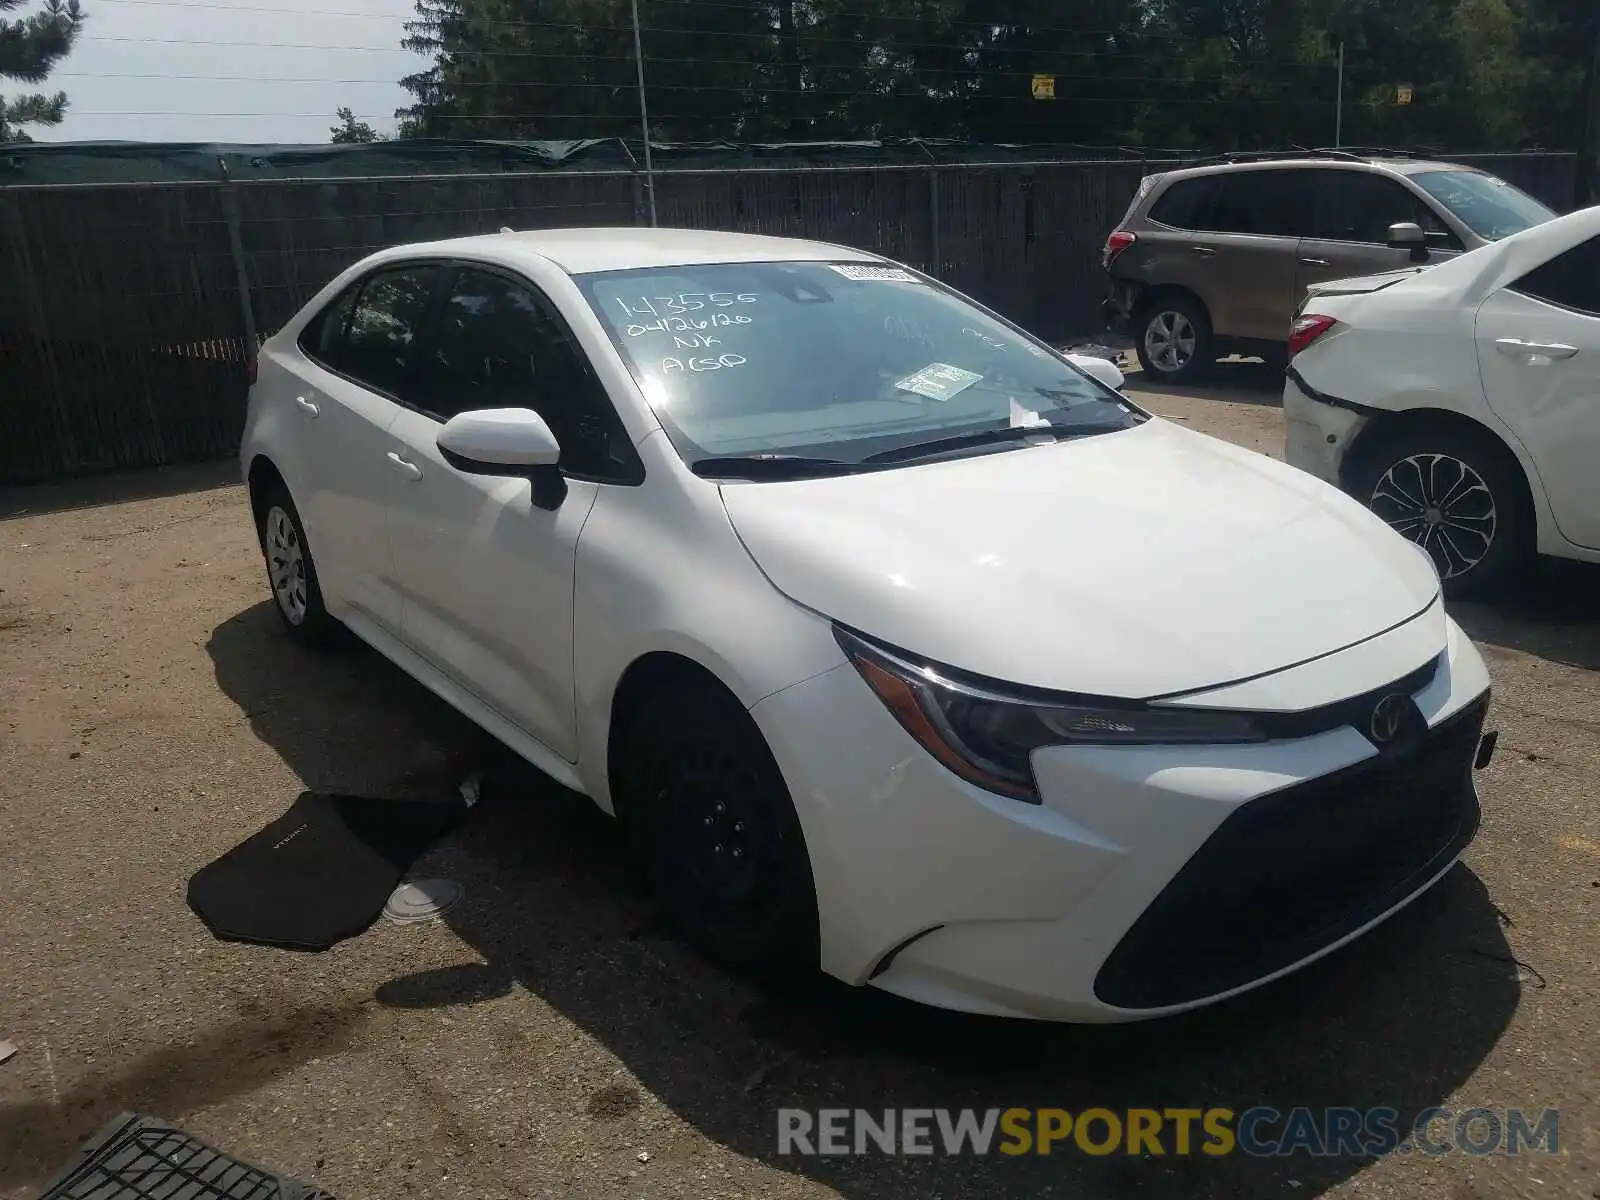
x=1443 y=505
x=1169 y=340
x=286 y=564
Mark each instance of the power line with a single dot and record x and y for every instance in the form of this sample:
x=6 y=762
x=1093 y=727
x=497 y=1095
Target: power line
x=699 y=116
x=629 y=84
x=547 y=54
x=805 y=36
x=954 y=23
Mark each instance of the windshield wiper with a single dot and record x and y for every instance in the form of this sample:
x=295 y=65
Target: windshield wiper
x=987 y=437
x=769 y=466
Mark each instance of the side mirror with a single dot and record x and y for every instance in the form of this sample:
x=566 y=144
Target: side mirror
x=1408 y=235
x=506 y=441
x=1103 y=369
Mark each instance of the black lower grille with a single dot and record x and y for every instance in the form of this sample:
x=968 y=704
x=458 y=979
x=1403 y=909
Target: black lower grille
x=1295 y=870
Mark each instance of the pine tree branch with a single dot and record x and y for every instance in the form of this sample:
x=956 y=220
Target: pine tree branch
x=31 y=47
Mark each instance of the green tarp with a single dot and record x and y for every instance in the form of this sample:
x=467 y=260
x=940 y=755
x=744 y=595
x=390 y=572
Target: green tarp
x=54 y=163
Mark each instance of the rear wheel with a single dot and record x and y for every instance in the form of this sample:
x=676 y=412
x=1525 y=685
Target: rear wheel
x=711 y=818
x=291 y=572
x=1458 y=496
x=1173 y=337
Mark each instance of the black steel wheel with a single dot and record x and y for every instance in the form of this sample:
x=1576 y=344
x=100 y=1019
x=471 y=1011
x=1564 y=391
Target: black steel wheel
x=710 y=817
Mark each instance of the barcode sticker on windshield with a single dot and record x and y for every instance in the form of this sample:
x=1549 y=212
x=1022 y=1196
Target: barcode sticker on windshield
x=939 y=381
x=881 y=274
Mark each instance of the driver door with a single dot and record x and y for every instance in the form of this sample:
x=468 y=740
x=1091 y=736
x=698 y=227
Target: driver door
x=486 y=574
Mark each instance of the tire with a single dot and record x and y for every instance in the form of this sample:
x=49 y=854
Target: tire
x=291 y=571
x=1172 y=336
x=709 y=816
x=1458 y=495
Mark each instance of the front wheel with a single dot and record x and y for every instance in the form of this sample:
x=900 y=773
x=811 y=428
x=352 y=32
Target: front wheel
x=1174 y=339
x=710 y=816
x=1456 y=495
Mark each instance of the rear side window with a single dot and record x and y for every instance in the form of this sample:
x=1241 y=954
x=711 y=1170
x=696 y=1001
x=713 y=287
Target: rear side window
x=324 y=333
x=385 y=329
x=1570 y=280
x=1183 y=205
x=1356 y=206
x=1266 y=203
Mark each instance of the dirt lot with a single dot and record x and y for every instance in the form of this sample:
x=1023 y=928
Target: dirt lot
x=548 y=1039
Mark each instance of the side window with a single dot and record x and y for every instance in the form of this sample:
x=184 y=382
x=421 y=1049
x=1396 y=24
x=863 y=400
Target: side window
x=1355 y=206
x=385 y=329
x=324 y=333
x=1269 y=203
x=1570 y=280
x=1183 y=205
x=498 y=346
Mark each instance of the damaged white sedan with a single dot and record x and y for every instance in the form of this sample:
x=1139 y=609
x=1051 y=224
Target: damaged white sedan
x=902 y=646
x=1462 y=402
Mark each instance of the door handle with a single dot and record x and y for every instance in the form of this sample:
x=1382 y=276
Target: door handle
x=1516 y=346
x=1316 y=262
x=305 y=406
x=1203 y=251
x=405 y=466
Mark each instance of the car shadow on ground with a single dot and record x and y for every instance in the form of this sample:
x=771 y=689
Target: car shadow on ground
x=1553 y=614
x=1398 y=1020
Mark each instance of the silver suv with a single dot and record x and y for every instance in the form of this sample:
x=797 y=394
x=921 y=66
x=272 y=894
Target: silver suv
x=1215 y=260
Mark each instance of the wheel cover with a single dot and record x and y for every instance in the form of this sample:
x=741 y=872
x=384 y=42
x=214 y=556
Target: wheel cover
x=1441 y=504
x=1169 y=340
x=286 y=564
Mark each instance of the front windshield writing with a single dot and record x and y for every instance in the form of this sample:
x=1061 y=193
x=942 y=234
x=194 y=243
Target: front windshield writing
x=835 y=359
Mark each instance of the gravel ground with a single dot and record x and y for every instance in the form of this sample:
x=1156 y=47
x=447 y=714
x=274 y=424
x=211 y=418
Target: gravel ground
x=548 y=1039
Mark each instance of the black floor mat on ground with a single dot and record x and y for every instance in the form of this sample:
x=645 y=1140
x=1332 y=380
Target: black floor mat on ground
x=319 y=873
x=135 y=1158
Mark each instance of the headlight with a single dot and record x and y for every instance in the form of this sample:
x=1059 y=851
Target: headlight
x=988 y=736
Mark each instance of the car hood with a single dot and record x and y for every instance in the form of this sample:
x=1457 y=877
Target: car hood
x=1143 y=563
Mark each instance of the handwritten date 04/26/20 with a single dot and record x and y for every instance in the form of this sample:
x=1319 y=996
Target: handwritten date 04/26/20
x=684 y=302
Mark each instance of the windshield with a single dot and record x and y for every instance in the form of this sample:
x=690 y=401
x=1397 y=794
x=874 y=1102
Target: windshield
x=1490 y=207
x=836 y=363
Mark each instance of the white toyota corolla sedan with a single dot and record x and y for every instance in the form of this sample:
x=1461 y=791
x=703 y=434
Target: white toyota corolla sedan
x=901 y=645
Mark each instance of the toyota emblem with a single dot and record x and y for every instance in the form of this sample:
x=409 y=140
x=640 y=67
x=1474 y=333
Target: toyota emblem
x=1387 y=715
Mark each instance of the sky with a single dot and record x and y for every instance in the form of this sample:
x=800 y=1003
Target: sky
x=213 y=71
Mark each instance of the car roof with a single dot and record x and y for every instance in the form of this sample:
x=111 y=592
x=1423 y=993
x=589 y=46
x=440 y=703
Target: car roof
x=1400 y=166
x=585 y=251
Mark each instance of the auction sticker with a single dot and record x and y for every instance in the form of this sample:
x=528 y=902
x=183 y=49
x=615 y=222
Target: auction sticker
x=880 y=274
x=939 y=381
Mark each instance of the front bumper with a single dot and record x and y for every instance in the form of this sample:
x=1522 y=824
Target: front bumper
x=1151 y=879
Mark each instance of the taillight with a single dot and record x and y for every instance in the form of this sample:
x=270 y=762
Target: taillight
x=250 y=370
x=1306 y=330
x=1115 y=245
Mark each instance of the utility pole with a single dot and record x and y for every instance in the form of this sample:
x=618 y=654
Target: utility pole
x=1338 y=117
x=644 y=116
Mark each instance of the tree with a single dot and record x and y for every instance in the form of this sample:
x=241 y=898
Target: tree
x=30 y=47
x=350 y=131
